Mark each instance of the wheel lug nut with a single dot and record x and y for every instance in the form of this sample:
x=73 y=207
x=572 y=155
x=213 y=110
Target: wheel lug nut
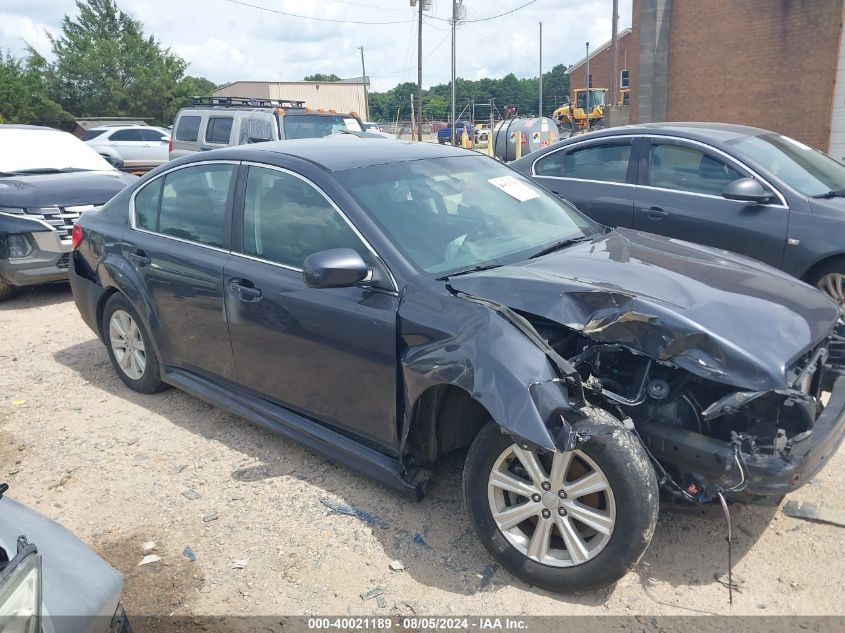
x=561 y=494
x=546 y=485
x=535 y=498
x=546 y=514
x=561 y=511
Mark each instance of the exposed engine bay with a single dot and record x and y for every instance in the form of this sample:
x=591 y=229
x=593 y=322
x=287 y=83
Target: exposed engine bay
x=702 y=434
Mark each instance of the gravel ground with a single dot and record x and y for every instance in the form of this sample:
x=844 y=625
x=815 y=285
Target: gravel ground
x=119 y=468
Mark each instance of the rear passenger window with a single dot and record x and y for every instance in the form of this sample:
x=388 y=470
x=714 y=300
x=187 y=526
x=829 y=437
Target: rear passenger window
x=126 y=135
x=193 y=203
x=286 y=219
x=188 y=128
x=218 y=130
x=606 y=162
x=146 y=205
x=688 y=169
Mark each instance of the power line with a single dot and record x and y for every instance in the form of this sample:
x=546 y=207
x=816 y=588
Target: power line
x=308 y=17
x=489 y=17
x=501 y=15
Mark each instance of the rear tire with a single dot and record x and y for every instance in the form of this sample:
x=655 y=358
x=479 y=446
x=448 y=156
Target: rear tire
x=129 y=347
x=6 y=289
x=620 y=500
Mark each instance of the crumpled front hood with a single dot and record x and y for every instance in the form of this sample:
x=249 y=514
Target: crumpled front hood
x=718 y=315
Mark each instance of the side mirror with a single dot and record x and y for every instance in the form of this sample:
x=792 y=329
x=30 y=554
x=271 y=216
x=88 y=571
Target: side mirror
x=258 y=139
x=747 y=190
x=334 y=268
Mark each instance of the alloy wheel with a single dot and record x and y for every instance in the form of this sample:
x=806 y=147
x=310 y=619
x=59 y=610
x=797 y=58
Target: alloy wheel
x=557 y=509
x=127 y=344
x=834 y=285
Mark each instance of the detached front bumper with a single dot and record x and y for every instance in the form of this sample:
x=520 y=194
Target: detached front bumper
x=696 y=458
x=46 y=262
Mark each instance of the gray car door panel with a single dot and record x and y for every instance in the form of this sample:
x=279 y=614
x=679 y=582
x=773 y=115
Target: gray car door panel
x=678 y=195
x=597 y=177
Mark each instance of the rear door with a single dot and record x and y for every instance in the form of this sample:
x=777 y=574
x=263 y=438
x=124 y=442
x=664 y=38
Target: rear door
x=218 y=131
x=679 y=195
x=179 y=244
x=186 y=133
x=329 y=353
x=598 y=177
x=130 y=145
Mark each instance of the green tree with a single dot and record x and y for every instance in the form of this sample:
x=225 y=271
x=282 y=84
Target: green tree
x=23 y=92
x=322 y=77
x=106 y=66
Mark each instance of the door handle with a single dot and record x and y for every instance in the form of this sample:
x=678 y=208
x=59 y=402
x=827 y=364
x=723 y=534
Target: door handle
x=140 y=258
x=244 y=290
x=655 y=213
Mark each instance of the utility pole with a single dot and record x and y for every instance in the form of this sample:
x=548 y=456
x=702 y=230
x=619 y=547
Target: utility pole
x=614 y=51
x=419 y=72
x=454 y=25
x=364 y=79
x=540 y=111
x=588 y=84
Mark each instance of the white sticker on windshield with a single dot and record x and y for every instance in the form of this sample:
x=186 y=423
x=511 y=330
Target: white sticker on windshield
x=514 y=188
x=353 y=125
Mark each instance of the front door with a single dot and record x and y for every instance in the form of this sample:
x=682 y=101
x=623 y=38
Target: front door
x=179 y=248
x=329 y=354
x=596 y=176
x=679 y=195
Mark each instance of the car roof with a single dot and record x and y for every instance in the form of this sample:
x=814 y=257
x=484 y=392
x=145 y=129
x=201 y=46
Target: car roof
x=702 y=131
x=19 y=126
x=247 y=108
x=340 y=152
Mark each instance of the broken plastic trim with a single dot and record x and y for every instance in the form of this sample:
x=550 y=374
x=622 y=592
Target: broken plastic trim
x=564 y=437
x=567 y=372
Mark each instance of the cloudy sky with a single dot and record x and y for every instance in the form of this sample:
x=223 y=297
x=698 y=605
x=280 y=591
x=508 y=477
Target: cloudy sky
x=226 y=40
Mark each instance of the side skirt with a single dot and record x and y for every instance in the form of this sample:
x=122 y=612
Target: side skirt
x=318 y=438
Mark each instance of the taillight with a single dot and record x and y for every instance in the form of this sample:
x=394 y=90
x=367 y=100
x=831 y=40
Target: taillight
x=170 y=145
x=76 y=236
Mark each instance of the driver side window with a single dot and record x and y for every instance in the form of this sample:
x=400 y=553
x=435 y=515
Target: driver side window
x=286 y=219
x=685 y=168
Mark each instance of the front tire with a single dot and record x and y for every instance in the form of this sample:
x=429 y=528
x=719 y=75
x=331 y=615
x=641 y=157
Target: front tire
x=6 y=289
x=565 y=522
x=830 y=279
x=130 y=348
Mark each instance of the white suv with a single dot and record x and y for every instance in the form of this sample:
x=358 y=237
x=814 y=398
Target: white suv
x=131 y=146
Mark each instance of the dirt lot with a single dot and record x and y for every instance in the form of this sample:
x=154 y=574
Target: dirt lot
x=114 y=466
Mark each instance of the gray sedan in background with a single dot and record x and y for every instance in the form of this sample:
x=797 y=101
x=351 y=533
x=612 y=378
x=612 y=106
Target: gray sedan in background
x=742 y=189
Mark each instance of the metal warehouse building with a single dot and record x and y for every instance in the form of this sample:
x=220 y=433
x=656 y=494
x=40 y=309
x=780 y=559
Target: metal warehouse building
x=347 y=95
x=776 y=64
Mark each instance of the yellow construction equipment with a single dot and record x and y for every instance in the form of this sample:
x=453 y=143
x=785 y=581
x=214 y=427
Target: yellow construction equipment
x=574 y=114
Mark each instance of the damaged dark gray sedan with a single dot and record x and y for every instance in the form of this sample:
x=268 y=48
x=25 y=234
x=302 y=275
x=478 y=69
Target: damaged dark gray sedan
x=389 y=303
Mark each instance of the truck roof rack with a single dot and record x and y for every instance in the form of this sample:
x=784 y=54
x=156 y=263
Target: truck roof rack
x=251 y=102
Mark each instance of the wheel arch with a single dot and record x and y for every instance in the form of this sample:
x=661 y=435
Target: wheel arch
x=444 y=418
x=813 y=271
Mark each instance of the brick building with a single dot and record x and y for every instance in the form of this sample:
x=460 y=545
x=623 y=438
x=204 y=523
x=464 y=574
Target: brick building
x=768 y=63
x=601 y=65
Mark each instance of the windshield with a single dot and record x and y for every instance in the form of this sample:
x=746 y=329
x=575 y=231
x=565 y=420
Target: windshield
x=47 y=150
x=596 y=98
x=318 y=125
x=452 y=214
x=801 y=167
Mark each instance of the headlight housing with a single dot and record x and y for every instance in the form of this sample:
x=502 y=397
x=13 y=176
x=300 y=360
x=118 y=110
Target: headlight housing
x=20 y=591
x=12 y=210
